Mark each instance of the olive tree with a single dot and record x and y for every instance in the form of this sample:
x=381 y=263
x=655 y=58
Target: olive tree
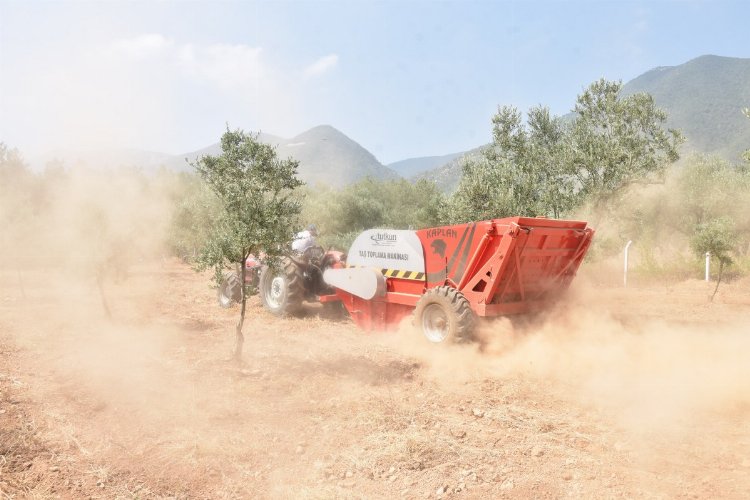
x=259 y=209
x=522 y=172
x=717 y=236
x=550 y=165
x=618 y=141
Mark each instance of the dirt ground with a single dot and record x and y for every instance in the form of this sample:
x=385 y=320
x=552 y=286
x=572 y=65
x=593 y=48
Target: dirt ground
x=641 y=392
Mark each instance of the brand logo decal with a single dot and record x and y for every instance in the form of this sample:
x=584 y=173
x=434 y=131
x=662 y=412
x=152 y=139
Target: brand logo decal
x=384 y=239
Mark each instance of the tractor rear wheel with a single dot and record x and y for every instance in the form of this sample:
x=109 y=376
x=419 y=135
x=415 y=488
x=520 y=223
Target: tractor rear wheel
x=444 y=315
x=229 y=291
x=282 y=290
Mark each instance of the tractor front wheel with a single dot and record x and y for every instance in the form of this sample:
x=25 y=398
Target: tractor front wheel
x=229 y=291
x=444 y=315
x=282 y=290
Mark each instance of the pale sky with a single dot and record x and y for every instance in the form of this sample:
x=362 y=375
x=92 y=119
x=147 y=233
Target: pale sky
x=402 y=78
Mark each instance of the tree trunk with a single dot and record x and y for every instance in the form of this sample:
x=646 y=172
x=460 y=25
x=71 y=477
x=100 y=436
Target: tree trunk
x=239 y=337
x=721 y=272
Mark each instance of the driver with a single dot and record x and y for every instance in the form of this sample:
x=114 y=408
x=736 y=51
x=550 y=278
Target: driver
x=305 y=239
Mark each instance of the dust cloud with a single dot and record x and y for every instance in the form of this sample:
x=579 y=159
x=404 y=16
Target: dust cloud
x=78 y=244
x=649 y=374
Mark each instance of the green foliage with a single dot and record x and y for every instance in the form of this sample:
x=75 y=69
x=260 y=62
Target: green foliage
x=258 y=209
x=618 y=141
x=196 y=208
x=549 y=167
x=342 y=214
x=522 y=172
x=717 y=236
x=708 y=187
x=255 y=192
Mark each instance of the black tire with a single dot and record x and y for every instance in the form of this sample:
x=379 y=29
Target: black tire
x=229 y=291
x=282 y=291
x=443 y=314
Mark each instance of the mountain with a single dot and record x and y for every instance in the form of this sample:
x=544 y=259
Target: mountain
x=325 y=154
x=414 y=166
x=702 y=97
x=182 y=161
x=330 y=157
x=447 y=176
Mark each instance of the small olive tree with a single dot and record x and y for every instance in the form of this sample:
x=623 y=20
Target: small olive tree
x=717 y=236
x=259 y=209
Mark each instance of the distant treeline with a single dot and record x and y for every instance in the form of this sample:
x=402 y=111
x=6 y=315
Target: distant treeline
x=614 y=165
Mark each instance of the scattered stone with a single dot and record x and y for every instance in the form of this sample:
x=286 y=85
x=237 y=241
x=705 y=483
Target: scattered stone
x=477 y=412
x=458 y=434
x=567 y=476
x=300 y=450
x=391 y=470
x=348 y=474
x=546 y=427
x=507 y=485
x=54 y=468
x=440 y=491
x=537 y=451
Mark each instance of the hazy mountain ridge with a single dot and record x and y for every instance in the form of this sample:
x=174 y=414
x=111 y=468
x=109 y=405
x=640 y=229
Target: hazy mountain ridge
x=703 y=98
x=447 y=176
x=412 y=167
x=328 y=156
x=325 y=154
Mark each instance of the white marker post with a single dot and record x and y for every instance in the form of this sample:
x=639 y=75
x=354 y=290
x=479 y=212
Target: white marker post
x=625 y=270
x=708 y=266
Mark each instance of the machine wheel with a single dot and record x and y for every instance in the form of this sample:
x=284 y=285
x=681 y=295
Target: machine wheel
x=282 y=291
x=229 y=291
x=444 y=315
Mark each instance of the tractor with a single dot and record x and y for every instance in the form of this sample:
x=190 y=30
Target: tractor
x=297 y=278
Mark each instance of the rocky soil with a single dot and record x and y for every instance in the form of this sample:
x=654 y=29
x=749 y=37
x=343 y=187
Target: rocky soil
x=639 y=392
